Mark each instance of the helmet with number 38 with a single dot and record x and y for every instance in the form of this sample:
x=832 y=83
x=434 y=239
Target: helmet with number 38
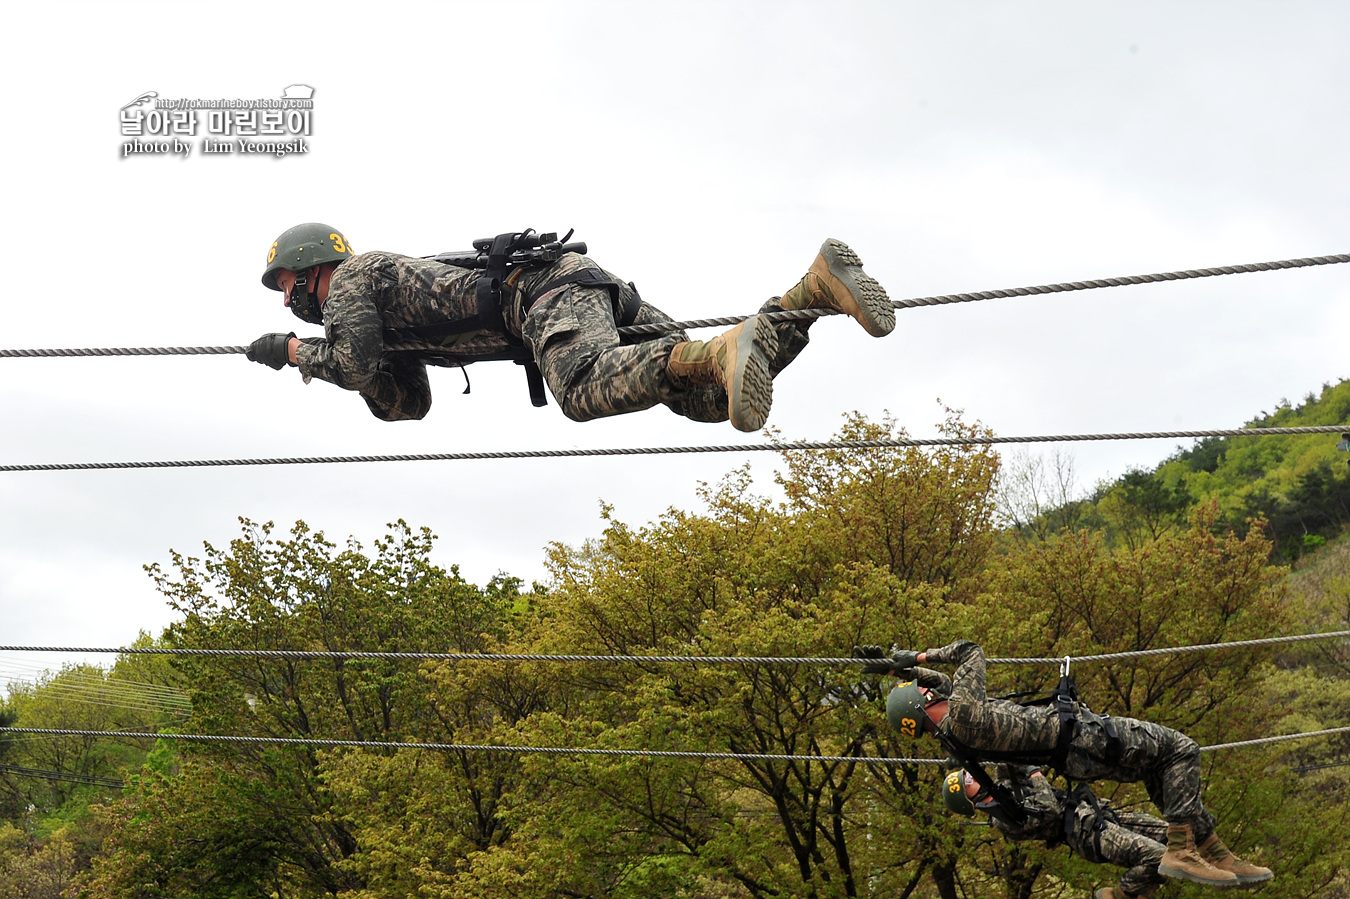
x=304 y=247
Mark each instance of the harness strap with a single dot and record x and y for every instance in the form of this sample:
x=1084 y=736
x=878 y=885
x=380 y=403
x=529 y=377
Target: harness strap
x=591 y=278
x=1113 y=744
x=1079 y=794
x=1066 y=708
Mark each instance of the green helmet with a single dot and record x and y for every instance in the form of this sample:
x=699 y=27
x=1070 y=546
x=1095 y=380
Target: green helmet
x=297 y=250
x=954 y=794
x=905 y=708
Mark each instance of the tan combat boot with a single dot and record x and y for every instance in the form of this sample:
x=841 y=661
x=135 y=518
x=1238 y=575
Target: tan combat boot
x=1220 y=856
x=1184 y=862
x=836 y=281
x=738 y=362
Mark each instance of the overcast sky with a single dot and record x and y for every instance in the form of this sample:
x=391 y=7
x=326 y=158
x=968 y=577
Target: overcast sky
x=702 y=150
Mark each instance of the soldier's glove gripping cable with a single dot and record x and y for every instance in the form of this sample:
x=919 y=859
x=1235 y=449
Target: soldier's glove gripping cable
x=897 y=661
x=271 y=350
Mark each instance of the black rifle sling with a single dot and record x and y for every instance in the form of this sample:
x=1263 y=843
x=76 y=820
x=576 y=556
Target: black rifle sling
x=1009 y=809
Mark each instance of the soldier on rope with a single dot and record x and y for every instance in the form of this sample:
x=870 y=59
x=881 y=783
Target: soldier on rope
x=386 y=317
x=1090 y=826
x=1080 y=744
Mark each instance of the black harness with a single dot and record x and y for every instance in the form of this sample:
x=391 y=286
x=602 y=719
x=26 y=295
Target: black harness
x=1067 y=704
x=498 y=257
x=1101 y=817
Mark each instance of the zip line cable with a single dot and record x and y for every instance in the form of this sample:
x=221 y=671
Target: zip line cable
x=691 y=660
x=889 y=443
x=560 y=750
x=800 y=315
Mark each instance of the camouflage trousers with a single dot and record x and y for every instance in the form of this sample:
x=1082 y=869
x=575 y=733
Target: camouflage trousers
x=593 y=372
x=1165 y=761
x=1134 y=841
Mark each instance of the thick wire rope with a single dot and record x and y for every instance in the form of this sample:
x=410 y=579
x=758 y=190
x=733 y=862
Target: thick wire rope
x=945 y=299
x=316 y=743
x=801 y=446
x=795 y=315
x=355 y=655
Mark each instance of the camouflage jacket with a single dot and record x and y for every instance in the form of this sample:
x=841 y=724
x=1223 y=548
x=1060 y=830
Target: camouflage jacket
x=375 y=303
x=981 y=723
x=1043 y=803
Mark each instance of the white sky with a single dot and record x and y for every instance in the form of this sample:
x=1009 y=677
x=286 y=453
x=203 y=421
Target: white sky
x=703 y=150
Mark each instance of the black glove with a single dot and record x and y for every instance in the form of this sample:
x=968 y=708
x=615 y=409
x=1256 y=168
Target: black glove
x=887 y=663
x=270 y=349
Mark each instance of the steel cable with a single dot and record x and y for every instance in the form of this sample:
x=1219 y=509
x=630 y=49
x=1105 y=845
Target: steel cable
x=798 y=315
x=975 y=296
x=317 y=743
x=355 y=655
x=801 y=446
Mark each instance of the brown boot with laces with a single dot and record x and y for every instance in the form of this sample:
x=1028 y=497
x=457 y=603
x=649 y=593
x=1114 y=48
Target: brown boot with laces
x=836 y=281
x=1184 y=862
x=1220 y=856
x=738 y=362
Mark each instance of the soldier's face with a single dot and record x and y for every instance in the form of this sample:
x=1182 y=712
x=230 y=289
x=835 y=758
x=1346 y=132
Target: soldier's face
x=286 y=281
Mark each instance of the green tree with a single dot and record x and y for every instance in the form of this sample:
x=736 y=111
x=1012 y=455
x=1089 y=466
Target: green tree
x=234 y=820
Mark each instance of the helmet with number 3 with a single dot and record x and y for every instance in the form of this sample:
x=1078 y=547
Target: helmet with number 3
x=905 y=708
x=954 y=794
x=299 y=249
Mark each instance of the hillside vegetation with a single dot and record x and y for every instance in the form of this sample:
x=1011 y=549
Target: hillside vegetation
x=1296 y=486
x=867 y=546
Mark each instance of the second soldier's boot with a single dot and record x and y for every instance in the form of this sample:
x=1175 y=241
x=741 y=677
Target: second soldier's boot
x=836 y=281
x=1184 y=862
x=1220 y=856
x=738 y=362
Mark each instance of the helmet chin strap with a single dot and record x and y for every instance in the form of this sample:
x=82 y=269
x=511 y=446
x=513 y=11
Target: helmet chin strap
x=305 y=306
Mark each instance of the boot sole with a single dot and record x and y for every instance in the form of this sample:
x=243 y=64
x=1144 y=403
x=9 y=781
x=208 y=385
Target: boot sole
x=1254 y=883
x=1183 y=874
x=874 y=310
x=749 y=385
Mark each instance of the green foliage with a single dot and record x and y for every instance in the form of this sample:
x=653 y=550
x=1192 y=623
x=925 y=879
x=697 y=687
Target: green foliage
x=234 y=820
x=1297 y=487
x=865 y=546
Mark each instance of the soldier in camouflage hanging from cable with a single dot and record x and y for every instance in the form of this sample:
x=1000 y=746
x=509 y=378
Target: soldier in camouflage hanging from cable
x=973 y=728
x=1091 y=827
x=386 y=317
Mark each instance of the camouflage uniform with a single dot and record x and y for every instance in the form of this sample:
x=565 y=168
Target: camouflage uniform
x=1166 y=761
x=1131 y=840
x=571 y=331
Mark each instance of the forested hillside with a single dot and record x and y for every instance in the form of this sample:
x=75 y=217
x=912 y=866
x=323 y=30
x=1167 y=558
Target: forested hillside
x=867 y=546
x=1296 y=486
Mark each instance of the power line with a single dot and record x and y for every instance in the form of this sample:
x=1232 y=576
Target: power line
x=797 y=315
x=1304 y=769
x=354 y=655
x=889 y=443
x=67 y=776
x=316 y=743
